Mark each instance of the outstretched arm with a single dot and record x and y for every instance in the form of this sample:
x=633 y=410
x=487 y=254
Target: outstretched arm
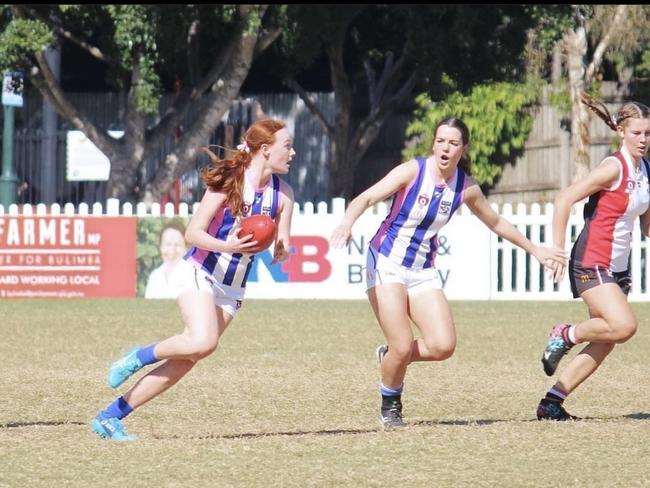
x=398 y=178
x=480 y=207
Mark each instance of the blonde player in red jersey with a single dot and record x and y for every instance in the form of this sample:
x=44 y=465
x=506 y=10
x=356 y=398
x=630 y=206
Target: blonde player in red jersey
x=599 y=269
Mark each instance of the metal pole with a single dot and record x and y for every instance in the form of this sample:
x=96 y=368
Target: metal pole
x=8 y=180
x=48 y=181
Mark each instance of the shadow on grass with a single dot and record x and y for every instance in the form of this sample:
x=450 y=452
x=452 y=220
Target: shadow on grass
x=259 y=435
x=638 y=416
x=414 y=423
x=333 y=432
x=42 y=423
x=467 y=422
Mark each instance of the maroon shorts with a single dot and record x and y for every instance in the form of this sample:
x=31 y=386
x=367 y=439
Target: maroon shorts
x=583 y=278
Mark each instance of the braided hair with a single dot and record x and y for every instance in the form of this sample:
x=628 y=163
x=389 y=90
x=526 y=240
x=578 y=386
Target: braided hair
x=629 y=110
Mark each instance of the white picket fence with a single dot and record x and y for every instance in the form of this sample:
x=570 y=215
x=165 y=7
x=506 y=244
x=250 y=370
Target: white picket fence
x=507 y=272
x=519 y=276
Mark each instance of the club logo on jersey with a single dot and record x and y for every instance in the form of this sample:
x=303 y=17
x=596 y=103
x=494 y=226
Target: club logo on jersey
x=644 y=184
x=423 y=200
x=631 y=184
x=444 y=207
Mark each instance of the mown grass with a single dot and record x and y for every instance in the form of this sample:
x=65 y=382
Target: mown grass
x=290 y=399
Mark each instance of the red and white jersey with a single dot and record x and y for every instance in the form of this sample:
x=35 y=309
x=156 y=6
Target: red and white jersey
x=610 y=215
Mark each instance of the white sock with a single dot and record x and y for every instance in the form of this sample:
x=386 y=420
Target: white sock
x=572 y=334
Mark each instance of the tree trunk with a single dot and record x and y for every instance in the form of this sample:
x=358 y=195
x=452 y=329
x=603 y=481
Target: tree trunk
x=341 y=177
x=581 y=74
x=576 y=47
x=223 y=81
x=122 y=183
x=340 y=183
x=224 y=91
x=349 y=142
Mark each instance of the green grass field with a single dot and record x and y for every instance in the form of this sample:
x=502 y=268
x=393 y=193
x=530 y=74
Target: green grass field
x=290 y=399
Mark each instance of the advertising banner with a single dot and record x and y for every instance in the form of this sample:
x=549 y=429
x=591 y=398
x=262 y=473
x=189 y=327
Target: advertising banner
x=67 y=256
x=98 y=256
x=314 y=270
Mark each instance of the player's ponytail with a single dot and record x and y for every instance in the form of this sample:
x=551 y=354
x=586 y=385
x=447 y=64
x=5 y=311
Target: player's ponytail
x=465 y=163
x=629 y=110
x=227 y=175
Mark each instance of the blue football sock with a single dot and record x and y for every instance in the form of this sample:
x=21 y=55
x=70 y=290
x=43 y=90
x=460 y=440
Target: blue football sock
x=118 y=408
x=146 y=356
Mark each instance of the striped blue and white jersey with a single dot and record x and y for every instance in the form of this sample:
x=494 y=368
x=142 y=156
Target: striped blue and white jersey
x=232 y=269
x=409 y=234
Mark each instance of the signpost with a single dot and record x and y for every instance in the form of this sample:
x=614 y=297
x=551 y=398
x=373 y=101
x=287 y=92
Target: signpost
x=12 y=96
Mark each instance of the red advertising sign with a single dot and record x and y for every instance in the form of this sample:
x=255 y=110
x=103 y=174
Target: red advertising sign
x=67 y=256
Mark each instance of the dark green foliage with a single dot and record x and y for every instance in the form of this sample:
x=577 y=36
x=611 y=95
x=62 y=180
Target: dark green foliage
x=497 y=115
x=20 y=39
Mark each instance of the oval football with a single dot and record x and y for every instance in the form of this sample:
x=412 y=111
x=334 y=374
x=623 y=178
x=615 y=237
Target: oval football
x=263 y=229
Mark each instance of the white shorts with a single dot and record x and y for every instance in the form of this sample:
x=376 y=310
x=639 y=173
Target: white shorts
x=380 y=271
x=193 y=278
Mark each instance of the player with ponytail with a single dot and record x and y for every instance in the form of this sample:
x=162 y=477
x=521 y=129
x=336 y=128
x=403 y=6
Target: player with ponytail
x=212 y=278
x=402 y=280
x=599 y=268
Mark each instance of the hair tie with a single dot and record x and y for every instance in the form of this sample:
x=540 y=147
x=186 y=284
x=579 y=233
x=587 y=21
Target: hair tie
x=243 y=147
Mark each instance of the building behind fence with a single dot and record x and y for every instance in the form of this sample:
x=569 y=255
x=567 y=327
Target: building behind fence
x=309 y=177
x=535 y=176
x=107 y=111
x=545 y=165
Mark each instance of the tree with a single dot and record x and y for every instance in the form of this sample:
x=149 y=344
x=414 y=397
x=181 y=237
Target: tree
x=379 y=54
x=497 y=115
x=583 y=38
x=209 y=49
x=351 y=139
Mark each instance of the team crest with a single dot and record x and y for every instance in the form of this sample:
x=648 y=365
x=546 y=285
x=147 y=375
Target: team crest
x=423 y=200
